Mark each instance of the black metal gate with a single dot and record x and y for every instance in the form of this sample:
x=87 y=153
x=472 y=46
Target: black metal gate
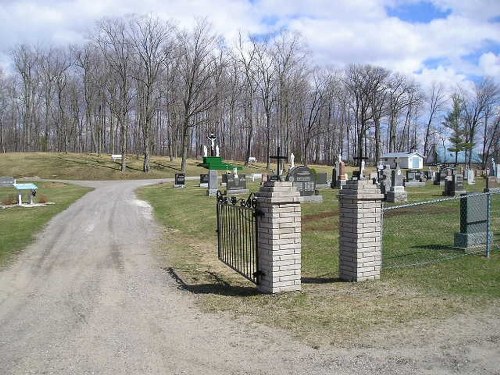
x=237 y=235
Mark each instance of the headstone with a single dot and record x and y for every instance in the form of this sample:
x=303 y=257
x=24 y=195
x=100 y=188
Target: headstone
x=292 y=160
x=335 y=178
x=397 y=193
x=492 y=184
x=204 y=180
x=213 y=183
x=265 y=178
x=180 y=180
x=321 y=180
x=224 y=178
x=473 y=221
x=304 y=180
x=471 y=179
x=414 y=178
x=342 y=175
x=454 y=186
x=236 y=184
x=385 y=177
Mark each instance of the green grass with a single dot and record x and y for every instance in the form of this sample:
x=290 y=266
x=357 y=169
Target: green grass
x=327 y=310
x=72 y=166
x=18 y=225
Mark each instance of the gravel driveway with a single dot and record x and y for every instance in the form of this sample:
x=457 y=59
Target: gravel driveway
x=88 y=297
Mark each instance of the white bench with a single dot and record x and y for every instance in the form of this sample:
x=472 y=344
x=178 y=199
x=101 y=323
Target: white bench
x=116 y=157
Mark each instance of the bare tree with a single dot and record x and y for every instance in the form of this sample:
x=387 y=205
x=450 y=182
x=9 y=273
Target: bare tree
x=195 y=71
x=26 y=63
x=114 y=43
x=486 y=94
x=152 y=44
x=435 y=104
x=265 y=80
x=363 y=82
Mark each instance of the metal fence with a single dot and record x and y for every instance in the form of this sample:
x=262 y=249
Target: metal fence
x=433 y=231
x=237 y=235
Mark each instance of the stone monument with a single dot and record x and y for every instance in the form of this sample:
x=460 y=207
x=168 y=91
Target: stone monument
x=473 y=221
x=397 y=193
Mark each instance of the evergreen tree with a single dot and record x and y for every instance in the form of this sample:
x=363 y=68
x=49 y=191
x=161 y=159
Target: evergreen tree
x=453 y=121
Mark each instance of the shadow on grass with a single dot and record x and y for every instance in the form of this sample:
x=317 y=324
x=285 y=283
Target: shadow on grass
x=321 y=280
x=95 y=163
x=219 y=287
x=163 y=166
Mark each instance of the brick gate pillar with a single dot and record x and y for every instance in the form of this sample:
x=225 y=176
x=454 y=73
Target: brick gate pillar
x=279 y=237
x=360 y=231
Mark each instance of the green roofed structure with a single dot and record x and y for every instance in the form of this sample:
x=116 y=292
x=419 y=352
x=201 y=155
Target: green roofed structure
x=216 y=163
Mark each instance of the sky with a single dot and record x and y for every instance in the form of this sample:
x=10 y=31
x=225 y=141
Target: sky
x=453 y=41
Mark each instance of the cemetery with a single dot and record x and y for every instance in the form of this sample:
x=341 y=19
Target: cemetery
x=421 y=235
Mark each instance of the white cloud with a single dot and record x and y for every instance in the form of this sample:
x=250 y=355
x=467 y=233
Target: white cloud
x=338 y=32
x=490 y=64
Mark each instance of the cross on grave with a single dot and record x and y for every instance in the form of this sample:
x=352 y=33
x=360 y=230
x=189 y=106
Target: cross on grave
x=278 y=158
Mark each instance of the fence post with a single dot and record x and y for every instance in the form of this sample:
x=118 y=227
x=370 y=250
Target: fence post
x=279 y=237
x=360 y=231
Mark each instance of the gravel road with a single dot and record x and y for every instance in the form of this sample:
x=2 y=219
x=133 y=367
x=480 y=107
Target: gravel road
x=89 y=297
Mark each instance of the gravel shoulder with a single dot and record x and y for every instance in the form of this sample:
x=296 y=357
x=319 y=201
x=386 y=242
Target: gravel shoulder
x=89 y=297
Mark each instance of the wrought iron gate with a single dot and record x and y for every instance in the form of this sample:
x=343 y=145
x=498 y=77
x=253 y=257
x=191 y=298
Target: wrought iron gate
x=237 y=235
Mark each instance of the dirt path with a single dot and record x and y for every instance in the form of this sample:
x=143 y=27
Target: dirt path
x=89 y=298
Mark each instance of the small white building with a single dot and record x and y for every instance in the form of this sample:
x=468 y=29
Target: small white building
x=407 y=160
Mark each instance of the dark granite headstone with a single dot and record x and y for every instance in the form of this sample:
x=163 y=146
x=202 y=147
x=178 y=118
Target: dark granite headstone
x=321 y=180
x=204 y=178
x=180 y=180
x=473 y=221
x=238 y=182
x=454 y=185
x=303 y=179
x=335 y=181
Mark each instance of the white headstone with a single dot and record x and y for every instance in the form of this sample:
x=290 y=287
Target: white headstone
x=292 y=160
x=205 y=151
x=235 y=172
x=470 y=177
x=217 y=150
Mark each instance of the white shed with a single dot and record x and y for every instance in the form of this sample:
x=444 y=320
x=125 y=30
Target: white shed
x=408 y=160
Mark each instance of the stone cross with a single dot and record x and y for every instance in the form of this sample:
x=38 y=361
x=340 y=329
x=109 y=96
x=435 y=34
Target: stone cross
x=278 y=158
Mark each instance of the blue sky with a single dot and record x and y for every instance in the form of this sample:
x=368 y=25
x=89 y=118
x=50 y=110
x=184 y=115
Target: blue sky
x=452 y=41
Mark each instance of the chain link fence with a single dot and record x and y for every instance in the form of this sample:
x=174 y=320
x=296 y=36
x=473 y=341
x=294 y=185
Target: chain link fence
x=434 y=231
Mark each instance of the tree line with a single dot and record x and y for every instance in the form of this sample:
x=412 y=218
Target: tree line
x=141 y=85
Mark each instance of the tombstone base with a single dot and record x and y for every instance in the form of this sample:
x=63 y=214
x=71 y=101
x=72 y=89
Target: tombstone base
x=457 y=193
x=179 y=186
x=204 y=185
x=212 y=192
x=311 y=199
x=237 y=192
x=469 y=240
x=397 y=196
x=415 y=184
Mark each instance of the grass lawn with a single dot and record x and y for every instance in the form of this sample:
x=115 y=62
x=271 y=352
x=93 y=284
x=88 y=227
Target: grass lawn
x=326 y=309
x=18 y=225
